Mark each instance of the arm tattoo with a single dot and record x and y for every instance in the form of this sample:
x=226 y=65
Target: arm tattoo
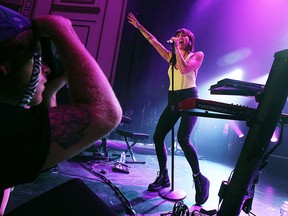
x=68 y=125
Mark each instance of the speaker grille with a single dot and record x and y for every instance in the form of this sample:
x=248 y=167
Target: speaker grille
x=72 y=198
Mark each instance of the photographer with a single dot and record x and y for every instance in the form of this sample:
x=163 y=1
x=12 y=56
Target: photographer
x=36 y=134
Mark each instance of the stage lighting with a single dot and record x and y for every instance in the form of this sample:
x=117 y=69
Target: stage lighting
x=241 y=135
x=275 y=136
x=237 y=129
x=234 y=57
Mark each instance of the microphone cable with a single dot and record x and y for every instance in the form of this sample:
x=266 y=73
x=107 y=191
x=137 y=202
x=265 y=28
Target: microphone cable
x=118 y=193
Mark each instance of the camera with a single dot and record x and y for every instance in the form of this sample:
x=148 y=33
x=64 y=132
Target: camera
x=51 y=57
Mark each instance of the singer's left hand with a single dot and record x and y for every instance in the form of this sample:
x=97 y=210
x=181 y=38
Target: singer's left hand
x=176 y=41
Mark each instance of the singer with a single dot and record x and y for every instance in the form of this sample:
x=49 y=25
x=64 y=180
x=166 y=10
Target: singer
x=186 y=69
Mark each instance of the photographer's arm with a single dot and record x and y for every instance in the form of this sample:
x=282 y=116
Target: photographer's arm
x=95 y=110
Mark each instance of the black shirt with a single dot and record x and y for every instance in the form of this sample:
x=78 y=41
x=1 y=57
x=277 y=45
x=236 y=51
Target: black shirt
x=24 y=143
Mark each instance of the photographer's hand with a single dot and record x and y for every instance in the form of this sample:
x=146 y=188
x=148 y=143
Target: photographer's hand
x=51 y=89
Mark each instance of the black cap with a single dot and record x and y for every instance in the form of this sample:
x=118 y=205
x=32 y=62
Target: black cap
x=11 y=23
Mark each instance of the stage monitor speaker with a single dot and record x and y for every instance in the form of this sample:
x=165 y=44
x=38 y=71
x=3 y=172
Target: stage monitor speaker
x=72 y=198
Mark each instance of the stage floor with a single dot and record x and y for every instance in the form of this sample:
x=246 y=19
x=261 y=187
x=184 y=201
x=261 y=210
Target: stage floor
x=271 y=191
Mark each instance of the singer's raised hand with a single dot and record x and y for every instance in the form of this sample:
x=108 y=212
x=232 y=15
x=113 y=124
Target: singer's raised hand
x=152 y=40
x=132 y=20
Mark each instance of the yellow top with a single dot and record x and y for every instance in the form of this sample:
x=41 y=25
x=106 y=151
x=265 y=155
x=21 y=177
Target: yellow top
x=182 y=81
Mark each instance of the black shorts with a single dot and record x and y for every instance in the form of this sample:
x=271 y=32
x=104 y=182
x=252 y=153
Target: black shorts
x=24 y=145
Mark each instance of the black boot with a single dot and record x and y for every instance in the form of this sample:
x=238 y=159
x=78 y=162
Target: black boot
x=202 y=189
x=162 y=181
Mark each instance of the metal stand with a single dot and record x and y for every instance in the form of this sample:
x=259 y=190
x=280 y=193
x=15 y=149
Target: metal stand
x=172 y=194
x=258 y=138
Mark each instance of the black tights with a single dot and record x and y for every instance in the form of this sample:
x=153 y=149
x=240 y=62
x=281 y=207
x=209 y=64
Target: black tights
x=167 y=120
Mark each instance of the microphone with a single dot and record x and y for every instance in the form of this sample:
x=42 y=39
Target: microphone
x=170 y=41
